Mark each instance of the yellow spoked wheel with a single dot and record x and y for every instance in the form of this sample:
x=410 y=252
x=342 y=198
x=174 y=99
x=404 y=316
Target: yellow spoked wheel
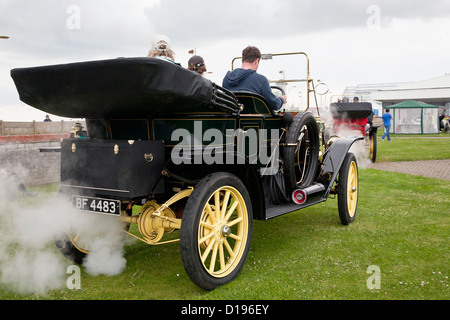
x=80 y=243
x=348 y=189
x=77 y=245
x=223 y=232
x=72 y=247
x=216 y=230
x=373 y=147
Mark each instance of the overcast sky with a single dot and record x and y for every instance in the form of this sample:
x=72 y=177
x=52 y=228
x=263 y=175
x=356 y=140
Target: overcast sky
x=349 y=42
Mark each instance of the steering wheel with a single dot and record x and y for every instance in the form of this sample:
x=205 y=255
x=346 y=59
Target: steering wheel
x=283 y=93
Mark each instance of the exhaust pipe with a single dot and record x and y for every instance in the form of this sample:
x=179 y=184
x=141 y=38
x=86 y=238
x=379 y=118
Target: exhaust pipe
x=301 y=195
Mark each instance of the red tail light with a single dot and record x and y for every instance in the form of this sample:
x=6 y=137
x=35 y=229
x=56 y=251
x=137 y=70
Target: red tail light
x=299 y=196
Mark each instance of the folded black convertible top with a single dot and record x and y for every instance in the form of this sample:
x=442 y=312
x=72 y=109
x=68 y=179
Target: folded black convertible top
x=360 y=110
x=117 y=88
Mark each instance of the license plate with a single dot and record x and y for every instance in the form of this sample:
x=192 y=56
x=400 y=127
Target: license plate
x=105 y=206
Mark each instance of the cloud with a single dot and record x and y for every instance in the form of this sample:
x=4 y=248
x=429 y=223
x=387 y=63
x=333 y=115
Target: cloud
x=40 y=34
x=41 y=28
x=76 y=29
x=207 y=21
x=336 y=34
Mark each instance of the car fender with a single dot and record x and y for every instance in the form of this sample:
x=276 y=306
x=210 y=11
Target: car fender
x=334 y=157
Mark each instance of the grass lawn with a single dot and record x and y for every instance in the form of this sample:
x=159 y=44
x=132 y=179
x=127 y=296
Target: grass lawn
x=407 y=148
x=402 y=227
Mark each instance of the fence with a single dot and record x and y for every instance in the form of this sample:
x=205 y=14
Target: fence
x=20 y=144
x=8 y=128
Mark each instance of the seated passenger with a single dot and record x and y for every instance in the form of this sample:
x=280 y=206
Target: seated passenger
x=247 y=79
x=197 y=64
x=161 y=49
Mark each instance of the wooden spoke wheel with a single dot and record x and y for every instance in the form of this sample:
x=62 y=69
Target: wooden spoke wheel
x=76 y=246
x=348 y=189
x=373 y=147
x=216 y=230
x=72 y=248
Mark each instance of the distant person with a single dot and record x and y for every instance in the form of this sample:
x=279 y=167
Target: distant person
x=247 y=79
x=78 y=132
x=197 y=64
x=441 y=122
x=446 y=121
x=47 y=118
x=355 y=100
x=161 y=49
x=345 y=100
x=387 y=117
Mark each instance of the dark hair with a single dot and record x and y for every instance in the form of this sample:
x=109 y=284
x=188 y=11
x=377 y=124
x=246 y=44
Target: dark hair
x=197 y=64
x=250 y=54
x=387 y=109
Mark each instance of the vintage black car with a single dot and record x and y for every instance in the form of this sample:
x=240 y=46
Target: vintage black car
x=195 y=157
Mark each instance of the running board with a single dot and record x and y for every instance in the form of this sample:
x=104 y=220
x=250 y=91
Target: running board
x=280 y=210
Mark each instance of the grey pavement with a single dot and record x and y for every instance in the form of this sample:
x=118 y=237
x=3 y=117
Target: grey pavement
x=439 y=169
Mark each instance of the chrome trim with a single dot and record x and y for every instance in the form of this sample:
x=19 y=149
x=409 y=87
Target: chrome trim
x=93 y=188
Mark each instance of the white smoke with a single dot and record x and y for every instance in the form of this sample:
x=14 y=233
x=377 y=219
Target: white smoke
x=361 y=151
x=360 y=148
x=29 y=259
x=106 y=256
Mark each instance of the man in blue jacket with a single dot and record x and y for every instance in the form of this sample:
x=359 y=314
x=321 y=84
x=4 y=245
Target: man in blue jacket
x=387 y=125
x=247 y=79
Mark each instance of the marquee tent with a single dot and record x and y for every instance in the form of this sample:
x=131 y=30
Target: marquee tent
x=414 y=117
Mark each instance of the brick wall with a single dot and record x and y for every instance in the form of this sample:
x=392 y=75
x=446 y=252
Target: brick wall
x=24 y=158
x=20 y=144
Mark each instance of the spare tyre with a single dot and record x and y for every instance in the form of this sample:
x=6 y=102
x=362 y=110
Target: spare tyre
x=301 y=152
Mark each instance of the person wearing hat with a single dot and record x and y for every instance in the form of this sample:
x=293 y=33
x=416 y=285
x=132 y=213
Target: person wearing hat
x=161 y=49
x=197 y=64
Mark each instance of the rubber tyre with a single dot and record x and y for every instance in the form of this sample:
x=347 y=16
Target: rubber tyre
x=292 y=156
x=200 y=211
x=348 y=189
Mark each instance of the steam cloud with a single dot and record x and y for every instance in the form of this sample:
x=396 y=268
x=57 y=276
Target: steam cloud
x=29 y=260
x=359 y=149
